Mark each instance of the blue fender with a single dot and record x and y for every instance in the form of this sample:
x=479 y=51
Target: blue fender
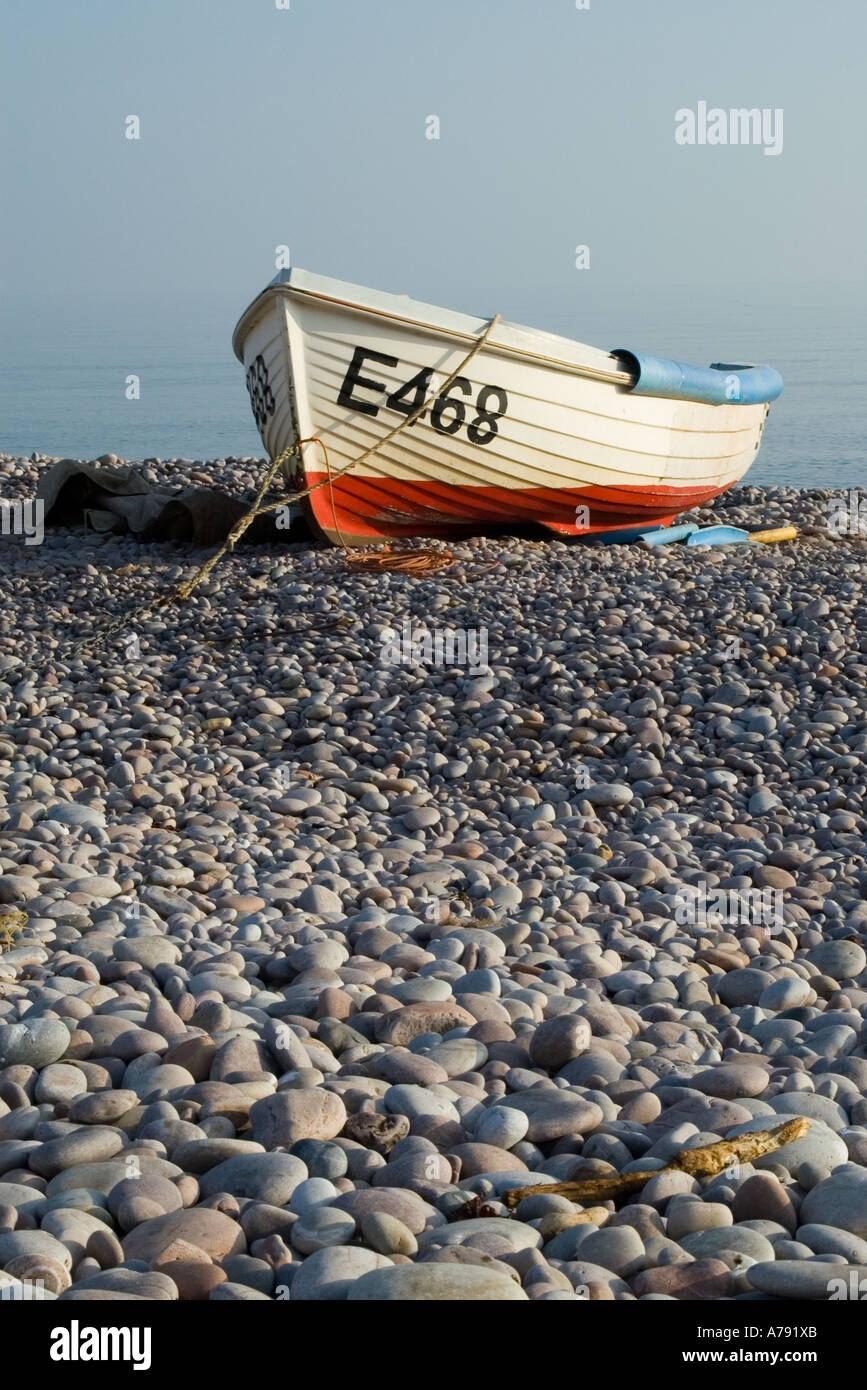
x=722 y=383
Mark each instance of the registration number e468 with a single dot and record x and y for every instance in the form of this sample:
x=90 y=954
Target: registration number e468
x=449 y=410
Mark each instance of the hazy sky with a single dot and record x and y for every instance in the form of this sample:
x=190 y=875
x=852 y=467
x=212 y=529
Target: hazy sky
x=307 y=126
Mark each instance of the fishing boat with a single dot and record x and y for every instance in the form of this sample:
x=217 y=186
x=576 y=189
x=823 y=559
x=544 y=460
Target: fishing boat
x=411 y=420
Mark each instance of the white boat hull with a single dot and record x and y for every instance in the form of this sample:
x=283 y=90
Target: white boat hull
x=536 y=428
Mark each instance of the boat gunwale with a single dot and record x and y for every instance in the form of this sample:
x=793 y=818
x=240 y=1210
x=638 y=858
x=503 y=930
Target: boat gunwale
x=244 y=324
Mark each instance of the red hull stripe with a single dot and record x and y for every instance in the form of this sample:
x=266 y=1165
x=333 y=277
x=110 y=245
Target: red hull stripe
x=380 y=507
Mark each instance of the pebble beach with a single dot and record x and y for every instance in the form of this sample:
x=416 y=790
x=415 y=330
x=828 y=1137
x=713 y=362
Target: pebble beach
x=313 y=953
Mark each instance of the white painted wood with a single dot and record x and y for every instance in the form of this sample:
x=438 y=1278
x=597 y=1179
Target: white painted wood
x=570 y=422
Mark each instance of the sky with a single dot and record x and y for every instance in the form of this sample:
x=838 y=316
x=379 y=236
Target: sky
x=307 y=126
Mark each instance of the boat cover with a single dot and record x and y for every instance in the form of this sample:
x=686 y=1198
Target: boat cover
x=122 y=500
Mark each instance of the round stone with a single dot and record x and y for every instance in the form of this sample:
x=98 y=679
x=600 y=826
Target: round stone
x=790 y=992
x=830 y=1240
x=147 y=951
x=267 y=1177
x=320 y=1227
x=435 y=1283
x=558 y=1041
x=732 y=1082
x=794 y=1279
x=841 y=960
x=684 y=1217
x=405 y=1206
x=328 y=1275
x=288 y=1116
x=322 y=1160
x=312 y=1193
x=741 y=1239
x=90 y=1144
x=517 y=1234
x=101 y=1107
x=35 y=1245
x=40 y=1270
x=218 y=1235
x=502 y=1126
x=388 y=1235
x=59 y=1082
x=553 y=1114
x=459 y=1055
x=694 y=1281
x=35 y=1044
x=840 y=1201
x=75 y=1228
x=137 y=1200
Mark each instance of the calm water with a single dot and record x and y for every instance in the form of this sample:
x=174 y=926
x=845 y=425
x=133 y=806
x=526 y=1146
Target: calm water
x=63 y=364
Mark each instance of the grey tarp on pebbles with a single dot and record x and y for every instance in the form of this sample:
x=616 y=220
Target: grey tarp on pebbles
x=120 y=499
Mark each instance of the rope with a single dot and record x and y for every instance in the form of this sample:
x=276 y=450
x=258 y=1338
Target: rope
x=403 y=561
x=374 y=448
x=407 y=561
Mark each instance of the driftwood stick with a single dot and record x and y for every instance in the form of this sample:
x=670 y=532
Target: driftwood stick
x=709 y=1161
x=706 y=1162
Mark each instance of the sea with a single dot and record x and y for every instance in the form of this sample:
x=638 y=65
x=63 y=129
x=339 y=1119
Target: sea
x=66 y=361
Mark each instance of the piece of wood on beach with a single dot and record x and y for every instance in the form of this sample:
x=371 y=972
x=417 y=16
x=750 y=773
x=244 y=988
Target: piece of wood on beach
x=704 y=1162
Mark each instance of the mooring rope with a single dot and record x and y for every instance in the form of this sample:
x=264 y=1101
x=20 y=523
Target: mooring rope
x=408 y=561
